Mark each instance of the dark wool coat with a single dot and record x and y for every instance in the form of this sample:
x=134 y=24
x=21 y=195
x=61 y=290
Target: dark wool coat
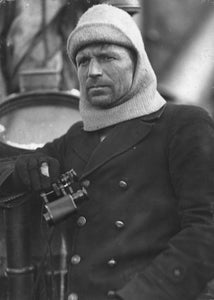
x=146 y=232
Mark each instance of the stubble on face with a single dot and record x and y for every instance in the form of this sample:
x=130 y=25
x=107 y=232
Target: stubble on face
x=105 y=73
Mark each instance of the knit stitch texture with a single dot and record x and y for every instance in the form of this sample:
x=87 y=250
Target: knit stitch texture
x=104 y=23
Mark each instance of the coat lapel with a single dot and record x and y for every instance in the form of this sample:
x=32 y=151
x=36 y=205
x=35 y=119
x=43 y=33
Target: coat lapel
x=117 y=142
x=84 y=144
x=124 y=136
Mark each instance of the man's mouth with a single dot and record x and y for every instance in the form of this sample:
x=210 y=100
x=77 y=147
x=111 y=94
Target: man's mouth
x=98 y=91
x=96 y=87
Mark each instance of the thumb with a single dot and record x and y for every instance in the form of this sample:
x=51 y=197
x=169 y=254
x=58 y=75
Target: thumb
x=50 y=168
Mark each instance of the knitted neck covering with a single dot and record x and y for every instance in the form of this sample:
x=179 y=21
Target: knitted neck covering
x=104 y=23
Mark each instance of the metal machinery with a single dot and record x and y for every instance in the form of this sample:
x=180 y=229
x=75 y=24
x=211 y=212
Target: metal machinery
x=29 y=120
x=131 y=6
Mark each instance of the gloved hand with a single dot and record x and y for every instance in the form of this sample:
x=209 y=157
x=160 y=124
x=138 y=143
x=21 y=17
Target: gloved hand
x=35 y=172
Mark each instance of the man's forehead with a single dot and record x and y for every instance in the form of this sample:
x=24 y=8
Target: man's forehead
x=101 y=47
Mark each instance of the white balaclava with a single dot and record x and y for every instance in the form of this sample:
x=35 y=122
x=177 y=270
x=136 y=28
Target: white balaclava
x=104 y=23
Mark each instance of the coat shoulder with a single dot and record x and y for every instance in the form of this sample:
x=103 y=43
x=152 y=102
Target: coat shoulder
x=75 y=129
x=185 y=114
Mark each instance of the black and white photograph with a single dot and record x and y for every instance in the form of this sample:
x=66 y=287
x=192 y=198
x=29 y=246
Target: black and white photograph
x=106 y=149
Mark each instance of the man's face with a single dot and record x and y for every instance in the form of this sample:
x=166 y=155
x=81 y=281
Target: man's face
x=105 y=73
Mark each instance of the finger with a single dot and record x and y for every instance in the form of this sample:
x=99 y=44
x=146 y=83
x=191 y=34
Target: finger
x=34 y=174
x=45 y=179
x=35 y=180
x=54 y=169
x=21 y=169
x=45 y=182
x=44 y=169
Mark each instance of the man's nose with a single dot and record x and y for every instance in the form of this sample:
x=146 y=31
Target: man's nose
x=95 y=68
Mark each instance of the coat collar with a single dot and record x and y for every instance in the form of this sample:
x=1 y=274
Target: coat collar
x=95 y=153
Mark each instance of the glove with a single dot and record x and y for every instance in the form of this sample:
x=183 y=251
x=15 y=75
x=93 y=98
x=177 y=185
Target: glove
x=35 y=172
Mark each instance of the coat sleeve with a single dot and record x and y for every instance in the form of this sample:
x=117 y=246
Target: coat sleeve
x=8 y=157
x=7 y=165
x=182 y=270
x=6 y=168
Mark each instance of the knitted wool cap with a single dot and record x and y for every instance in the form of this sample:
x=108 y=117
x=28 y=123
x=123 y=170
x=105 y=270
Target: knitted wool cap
x=104 y=23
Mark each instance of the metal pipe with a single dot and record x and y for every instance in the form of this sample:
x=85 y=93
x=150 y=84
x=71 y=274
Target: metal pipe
x=20 y=271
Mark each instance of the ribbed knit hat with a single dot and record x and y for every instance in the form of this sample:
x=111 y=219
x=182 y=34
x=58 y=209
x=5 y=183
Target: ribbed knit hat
x=104 y=23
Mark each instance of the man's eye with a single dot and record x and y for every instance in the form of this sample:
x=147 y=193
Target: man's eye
x=107 y=58
x=83 y=61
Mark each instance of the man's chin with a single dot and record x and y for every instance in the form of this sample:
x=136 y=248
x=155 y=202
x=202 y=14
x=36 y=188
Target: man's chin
x=101 y=102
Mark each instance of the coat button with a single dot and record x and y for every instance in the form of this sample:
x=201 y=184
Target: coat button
x=112 y=262
x=75 y=259
x=86 y=183
x=81 y=221
x=123 y=184
x=73 y=296
x=111 y=294
x=119 y=224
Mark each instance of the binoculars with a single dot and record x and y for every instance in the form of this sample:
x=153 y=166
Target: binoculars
x=64 y=198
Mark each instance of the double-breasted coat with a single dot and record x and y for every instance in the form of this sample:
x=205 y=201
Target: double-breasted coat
x=146 y=232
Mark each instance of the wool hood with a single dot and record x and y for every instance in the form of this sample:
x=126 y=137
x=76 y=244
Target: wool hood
x=104 y=23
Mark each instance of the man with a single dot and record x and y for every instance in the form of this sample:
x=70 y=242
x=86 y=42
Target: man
x=147 y=230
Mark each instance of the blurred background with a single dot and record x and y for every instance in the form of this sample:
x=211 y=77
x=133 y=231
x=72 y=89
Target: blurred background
x=38 y=83
x=178 y=36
